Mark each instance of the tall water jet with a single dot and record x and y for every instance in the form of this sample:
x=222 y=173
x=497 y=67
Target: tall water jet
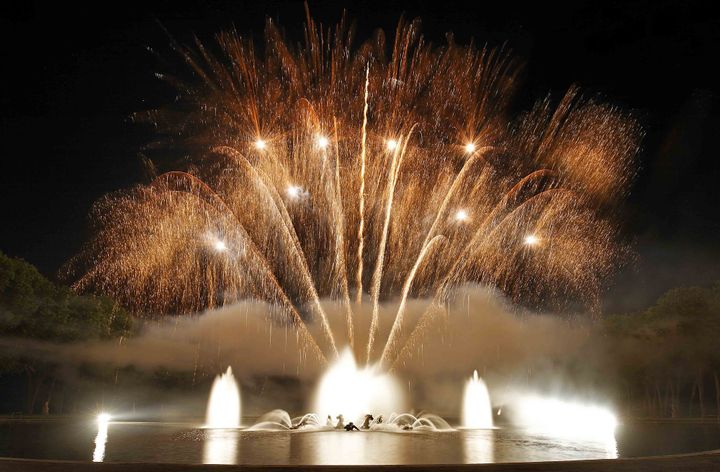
x=477 y=411
x=223 y=410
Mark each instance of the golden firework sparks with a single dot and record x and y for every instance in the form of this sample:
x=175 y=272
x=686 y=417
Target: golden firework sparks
x=325 y=195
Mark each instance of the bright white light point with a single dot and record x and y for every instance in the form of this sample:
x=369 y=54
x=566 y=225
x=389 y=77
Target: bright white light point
x=391 y=144
x=260 y=144
x=531 y=240
x=103 y=418
x=461 y=215
x=322 y=142
x=470 y=148
x=293 y=191
x=219 y=245
x=352 y=391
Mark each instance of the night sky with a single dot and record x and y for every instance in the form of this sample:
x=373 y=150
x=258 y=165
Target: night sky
x=73 y=75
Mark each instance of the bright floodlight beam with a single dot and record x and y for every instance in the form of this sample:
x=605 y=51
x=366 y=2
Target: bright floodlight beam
x=104 y=418
x=531 y=240
x=560 y=417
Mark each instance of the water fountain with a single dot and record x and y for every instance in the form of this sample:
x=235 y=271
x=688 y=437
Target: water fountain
x=223 y=410
x=477 y=411
x=314 y=188
x=352 y=391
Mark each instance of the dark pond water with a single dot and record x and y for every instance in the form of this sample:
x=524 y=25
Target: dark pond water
x=84 y=439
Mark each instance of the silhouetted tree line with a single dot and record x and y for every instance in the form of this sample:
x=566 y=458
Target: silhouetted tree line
x=666 y=359
x=33 y=307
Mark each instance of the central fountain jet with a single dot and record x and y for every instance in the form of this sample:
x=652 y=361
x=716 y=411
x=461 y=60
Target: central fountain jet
x=352 y=391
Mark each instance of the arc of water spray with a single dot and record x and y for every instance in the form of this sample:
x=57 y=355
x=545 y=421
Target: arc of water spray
x=289 y=232
x=429 y=239
x=263 y=261
x=340 y=242
x=483 y=228
x=361 y=225
x=441 y=293
x=377 y=275
x=397 y=325
x=451 y=191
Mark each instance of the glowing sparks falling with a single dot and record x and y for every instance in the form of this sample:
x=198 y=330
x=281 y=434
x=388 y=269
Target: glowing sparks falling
x=400 y=194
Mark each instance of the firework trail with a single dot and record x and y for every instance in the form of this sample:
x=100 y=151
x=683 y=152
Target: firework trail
x=361 y=193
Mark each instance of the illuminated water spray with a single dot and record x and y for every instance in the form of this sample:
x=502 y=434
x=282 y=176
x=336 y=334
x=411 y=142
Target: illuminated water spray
x=477 y=410
x=565 y=418
x=351 y=391
x=223 y=409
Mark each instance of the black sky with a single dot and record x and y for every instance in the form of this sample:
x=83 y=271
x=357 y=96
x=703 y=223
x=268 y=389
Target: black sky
x=72 y=75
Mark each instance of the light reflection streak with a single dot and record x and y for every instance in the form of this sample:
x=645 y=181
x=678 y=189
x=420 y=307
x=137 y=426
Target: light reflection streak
x=478 y=446
x=100 y=440
x=220 y=446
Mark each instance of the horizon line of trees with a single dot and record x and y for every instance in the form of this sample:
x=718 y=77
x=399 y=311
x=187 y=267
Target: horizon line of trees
x=33 y=307
x=666 y=358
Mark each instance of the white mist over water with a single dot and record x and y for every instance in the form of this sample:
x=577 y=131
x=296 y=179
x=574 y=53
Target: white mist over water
x=477 y=411
x=223 y=410
x=565 y=418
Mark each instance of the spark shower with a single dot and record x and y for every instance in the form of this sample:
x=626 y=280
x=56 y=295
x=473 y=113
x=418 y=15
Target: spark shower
x=362 y=175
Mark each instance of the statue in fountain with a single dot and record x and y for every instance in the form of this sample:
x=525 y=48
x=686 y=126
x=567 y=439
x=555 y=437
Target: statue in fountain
x=340 y=422
x=351 y=426
x=366 y=423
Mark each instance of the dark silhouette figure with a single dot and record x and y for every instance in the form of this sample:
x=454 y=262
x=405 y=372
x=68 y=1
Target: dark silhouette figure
x=350 y=426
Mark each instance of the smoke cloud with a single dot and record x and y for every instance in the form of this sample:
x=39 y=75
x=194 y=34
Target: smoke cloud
x=479 y=330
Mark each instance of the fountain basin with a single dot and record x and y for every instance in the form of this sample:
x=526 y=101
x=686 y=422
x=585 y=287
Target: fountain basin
x=187 y=443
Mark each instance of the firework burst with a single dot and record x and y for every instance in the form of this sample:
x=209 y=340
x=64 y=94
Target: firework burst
x=324 y=171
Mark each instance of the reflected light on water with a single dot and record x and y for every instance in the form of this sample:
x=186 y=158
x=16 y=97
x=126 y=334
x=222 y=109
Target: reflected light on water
x=478 y=446
x=342 y=448
x=220 y=446
x=103 y=420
